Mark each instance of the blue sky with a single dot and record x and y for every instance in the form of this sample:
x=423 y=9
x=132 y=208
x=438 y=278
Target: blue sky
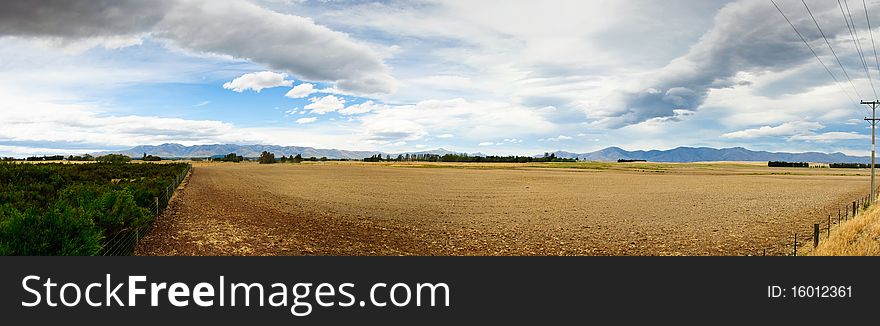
x=499 y=77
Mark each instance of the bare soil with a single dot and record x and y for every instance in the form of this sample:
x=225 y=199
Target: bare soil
x=458 y=209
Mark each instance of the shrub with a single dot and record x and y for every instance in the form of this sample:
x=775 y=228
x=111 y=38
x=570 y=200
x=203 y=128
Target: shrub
x=111 y=210
x=72 y=209
x=58 y=231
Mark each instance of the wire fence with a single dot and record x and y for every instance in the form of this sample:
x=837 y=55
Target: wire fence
x=124 y=242
x=803 y=240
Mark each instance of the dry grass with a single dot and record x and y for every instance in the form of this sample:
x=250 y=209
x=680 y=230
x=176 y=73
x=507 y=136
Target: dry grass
x=858 y=237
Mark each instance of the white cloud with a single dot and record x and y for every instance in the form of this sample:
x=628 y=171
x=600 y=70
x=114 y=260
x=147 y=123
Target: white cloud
x=87 y=125
x=513 y=140
x=257 y=81
x=283 y=42
x=486 y=143
x=468 y=121
x=393 y=131
x=361 y=108
x=557 y=138
x=301 y=91
x=325 y=104
x=445 y=136
x=306 y=120
x=830 y=136
x=335 y=91
x=785 y=129
x=24 y=151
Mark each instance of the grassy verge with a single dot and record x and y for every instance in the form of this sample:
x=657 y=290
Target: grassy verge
x=857 y=237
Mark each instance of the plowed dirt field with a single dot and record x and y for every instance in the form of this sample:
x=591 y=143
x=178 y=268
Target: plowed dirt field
x=457 y=209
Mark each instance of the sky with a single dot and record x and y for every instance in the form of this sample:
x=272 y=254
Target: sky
x=496 y=77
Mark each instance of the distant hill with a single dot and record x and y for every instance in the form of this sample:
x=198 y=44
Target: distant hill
x=611 y=154
x=703 y=154
x=178 y=150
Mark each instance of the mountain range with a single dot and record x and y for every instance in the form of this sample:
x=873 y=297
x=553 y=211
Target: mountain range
x=680 y=154
x=707 y=154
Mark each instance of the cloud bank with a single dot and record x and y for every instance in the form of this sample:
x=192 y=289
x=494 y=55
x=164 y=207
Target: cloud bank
x=746 y=37
x=237 y=29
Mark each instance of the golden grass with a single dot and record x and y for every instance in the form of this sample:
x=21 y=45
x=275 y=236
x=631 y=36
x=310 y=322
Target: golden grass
x=857 y=237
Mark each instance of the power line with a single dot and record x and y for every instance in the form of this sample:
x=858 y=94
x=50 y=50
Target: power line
x=872 y=36
x=854 y=33
x=850 y=28
x=830 y=47
x=836 y=81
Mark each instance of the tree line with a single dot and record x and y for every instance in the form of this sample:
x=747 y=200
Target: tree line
x=830 y=165
x=850 y=165
x=111 y=158
x=425 y=157
x=783 y=164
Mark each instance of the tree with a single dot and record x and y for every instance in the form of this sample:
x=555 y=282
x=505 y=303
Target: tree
x=85 y=157
x=232 y=157
x=148 y=158
x=267 y=158
x=298 y=158
x=113 y=158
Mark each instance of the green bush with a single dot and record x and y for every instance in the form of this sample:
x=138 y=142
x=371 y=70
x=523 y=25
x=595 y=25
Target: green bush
x=59 y=231
x=113 y=211
x=73 y=209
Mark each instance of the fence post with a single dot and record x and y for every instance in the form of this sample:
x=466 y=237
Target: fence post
x=829 y=226
x=815 y=235
x=854 y=208
x=795 y=244
x=157 y=206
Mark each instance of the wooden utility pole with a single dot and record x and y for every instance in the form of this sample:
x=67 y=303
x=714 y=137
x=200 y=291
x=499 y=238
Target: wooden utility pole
x=873 y=121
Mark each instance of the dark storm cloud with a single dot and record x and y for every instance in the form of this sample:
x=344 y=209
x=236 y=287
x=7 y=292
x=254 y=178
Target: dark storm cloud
x=748 y=36
x=239 y=29
x=80 y=18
